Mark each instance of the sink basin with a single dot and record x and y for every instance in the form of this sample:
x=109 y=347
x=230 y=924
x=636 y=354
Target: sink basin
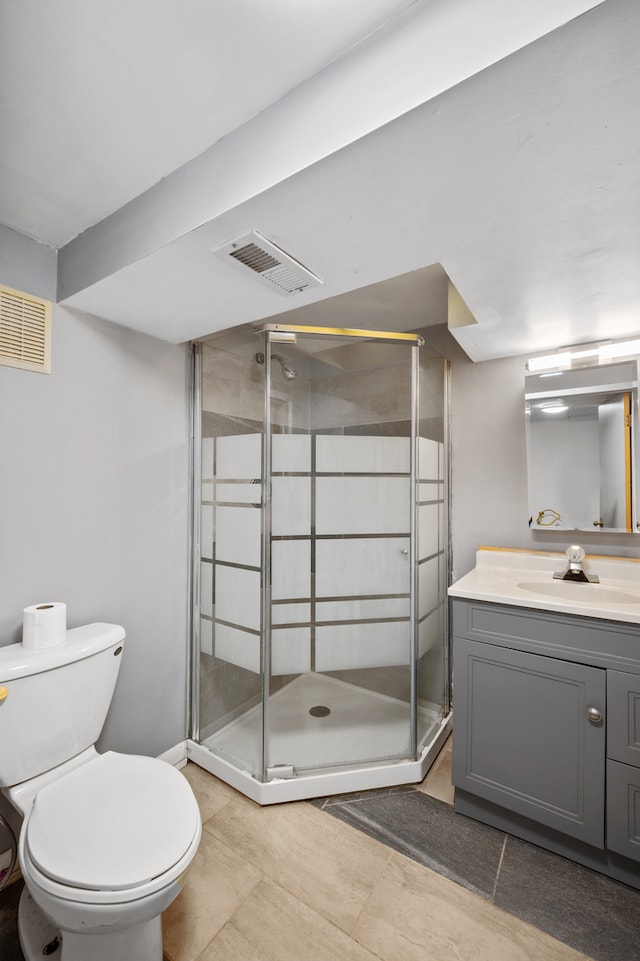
x=591 y=593
x=525 y=579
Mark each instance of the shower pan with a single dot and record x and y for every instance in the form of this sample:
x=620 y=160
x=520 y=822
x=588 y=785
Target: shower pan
x=320 y=656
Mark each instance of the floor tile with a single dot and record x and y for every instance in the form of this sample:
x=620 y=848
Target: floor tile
x=415 y=914
x=217 y=882
x=273 y=925
x=361 y=795
x=430 y=832
x=9 y=944
x=211 y=793
x=581 y=907
x=437 y=783
x=316 y=858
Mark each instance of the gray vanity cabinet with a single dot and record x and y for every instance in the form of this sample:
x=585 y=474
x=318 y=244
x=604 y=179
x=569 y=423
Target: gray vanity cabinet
x=546 y=741
x=528 y=742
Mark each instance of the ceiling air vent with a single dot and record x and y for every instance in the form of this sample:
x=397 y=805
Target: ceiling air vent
x=25 y=331
x=269 y=263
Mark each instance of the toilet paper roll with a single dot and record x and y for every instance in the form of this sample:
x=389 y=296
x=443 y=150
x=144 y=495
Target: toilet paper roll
x=44 y=625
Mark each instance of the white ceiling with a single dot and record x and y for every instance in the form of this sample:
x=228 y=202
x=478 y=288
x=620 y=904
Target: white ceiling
x=370 y=140
x=102 y=100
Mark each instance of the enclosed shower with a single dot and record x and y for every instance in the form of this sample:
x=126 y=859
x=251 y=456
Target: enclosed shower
x=320 y=656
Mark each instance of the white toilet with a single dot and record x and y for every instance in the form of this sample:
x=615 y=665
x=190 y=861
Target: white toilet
x=105 y=838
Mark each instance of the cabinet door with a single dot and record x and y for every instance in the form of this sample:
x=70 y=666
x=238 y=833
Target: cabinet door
x=623 y=717
x=623 y=809
x=523 y=739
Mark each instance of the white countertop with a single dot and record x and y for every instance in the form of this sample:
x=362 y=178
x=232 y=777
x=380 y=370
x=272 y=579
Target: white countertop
x=525 y=579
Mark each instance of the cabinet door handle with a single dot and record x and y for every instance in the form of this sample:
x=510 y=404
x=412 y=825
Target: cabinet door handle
x=594 y=715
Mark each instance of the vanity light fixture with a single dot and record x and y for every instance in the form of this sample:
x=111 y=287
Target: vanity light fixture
x=627 y=348
x=581 y=356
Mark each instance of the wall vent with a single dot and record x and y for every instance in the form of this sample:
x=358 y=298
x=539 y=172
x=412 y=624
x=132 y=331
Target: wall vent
x=25 y=331
x=272 y=265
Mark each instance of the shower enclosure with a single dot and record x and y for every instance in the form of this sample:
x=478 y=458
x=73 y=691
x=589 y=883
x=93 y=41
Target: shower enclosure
x=320 y=657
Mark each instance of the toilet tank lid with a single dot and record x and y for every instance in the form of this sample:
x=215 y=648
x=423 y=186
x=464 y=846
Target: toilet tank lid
x=115 y=823
x=80 y=642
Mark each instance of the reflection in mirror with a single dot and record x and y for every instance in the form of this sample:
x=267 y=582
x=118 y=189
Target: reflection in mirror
x=581 y=448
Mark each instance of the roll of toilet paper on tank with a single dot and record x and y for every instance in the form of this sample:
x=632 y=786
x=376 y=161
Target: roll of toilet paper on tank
x=44 y=625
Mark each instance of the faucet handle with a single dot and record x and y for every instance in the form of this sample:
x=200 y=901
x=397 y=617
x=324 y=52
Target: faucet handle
x=574 y=572
x=575 y=554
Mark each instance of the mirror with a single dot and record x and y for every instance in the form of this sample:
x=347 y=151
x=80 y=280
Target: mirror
x=581 y=448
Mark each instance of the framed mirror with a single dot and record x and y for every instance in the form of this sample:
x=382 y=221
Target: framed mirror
x=582 y=455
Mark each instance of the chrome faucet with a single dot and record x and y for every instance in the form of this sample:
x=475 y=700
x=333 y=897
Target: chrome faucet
x=574 y=571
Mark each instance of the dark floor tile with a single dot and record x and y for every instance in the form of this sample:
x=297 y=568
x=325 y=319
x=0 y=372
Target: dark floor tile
x=581 y=908
x=9 y=944
x=430 y=832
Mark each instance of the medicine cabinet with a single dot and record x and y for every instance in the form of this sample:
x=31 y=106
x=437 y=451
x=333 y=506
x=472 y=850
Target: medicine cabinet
x=582 y=448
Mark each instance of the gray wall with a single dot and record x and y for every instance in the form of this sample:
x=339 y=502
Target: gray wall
x=93 y=509
x=27 y=265
x=489 y=470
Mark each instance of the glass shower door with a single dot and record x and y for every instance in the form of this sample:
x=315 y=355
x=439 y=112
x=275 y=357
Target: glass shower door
x=339 y=552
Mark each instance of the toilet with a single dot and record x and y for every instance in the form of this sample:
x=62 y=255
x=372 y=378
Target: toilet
x=106 y=839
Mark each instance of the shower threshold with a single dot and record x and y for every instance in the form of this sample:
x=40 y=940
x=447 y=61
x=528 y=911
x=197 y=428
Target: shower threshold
x=335 y=737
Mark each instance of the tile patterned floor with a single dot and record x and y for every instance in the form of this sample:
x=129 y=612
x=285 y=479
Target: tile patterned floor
x=290 y=883
x=581 y=908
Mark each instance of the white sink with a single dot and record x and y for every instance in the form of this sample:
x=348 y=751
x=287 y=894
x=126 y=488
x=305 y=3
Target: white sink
x=570 y=591
x=525 y=579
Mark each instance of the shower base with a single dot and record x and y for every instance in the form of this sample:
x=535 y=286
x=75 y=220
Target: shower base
x=325 y=737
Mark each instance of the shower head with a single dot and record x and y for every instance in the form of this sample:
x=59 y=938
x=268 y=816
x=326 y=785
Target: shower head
x=289 y=373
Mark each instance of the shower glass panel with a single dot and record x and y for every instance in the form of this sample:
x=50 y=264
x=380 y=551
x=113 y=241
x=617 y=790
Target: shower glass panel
x=432 y=669
x=321 y=616
x=341 y=521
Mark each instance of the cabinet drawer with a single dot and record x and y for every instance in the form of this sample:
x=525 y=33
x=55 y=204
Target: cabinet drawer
x=580 y=639
x=623 y=717
x=623 y=809
x=523 y=739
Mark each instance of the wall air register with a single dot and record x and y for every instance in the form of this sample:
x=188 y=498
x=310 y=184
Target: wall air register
x=269 y=263
x=25 y=331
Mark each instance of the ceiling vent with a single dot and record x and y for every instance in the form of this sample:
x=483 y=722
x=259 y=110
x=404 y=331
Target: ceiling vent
x=25 y=331
x=269 y=263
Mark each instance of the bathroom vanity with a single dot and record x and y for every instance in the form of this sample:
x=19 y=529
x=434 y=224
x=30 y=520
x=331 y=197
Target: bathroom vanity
x=547 y=705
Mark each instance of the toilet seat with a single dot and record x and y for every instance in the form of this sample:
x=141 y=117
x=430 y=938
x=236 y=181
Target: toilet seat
x=114 y=829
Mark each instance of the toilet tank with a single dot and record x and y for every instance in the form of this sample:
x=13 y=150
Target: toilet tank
x=55 y=699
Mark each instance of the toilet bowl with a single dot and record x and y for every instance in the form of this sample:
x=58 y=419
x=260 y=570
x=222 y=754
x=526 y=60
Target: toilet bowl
x=103 y=851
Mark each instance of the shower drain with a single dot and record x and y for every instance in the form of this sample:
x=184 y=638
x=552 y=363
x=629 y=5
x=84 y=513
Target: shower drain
x=319 y=711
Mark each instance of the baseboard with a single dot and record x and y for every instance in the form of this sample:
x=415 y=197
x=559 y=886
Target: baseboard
x=176 y=756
